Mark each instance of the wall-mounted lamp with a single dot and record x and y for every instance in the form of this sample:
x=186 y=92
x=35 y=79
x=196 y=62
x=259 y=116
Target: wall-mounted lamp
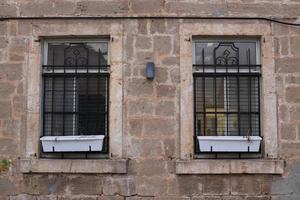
x=150 y=70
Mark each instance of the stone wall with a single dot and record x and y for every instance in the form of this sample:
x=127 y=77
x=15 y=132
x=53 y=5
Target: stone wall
x=151 y=109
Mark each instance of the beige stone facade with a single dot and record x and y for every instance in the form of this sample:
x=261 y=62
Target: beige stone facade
x=151 y=122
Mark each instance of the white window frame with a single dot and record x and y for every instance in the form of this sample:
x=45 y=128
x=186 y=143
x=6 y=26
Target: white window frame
x=232 y=142
x=75 y=143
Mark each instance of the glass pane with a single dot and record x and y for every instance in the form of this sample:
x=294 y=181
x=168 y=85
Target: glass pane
x=76 y=53
x=225 y=52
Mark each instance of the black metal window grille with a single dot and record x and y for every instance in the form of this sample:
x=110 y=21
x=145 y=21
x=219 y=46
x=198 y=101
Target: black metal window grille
x=226 y=88
x=76 y=89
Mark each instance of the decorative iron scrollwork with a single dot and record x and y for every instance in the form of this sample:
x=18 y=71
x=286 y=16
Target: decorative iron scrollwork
x=76 y=55
x=226 y=53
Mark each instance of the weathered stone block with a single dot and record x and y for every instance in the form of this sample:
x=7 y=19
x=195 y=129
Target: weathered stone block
x=216 y=185
x=7 y=187
x=143 y=26
x=110 y=198
x=292 y=94
x=157 y=26
x=166 y=91
x=8 y=148
x=22 y=197
x=6 y=89
x=124 y=186
x=82 y=185
x=136 y=127
x=151 y=167
x=169 y=146
x=52 y=184
x=11 y=128
x=159 y=127
x=288 y=131
x=102 y=7
x=151 y=148
x=143 y=42
x=290 y=150
x=258 y=198
x=139 y=87
x=287 y=65
x=140 y=107
x=20 y=103
x=5 y=109
x=161 y=75
x=143 y=57
x=47 y=197
x=162 y=45
x=8 y=10
x=3 y=42
x=144 y=6
x=294 y=113
x=174 y=74
x=151 y=186
x=47 y=8
x=78 y=197
x=190 y=185
x=3 y=28
x=170 y=61
x=10 y=72
x=165 y=108
x=295 y=45
x=246 y=185
x=292 y=79
x=284 y=46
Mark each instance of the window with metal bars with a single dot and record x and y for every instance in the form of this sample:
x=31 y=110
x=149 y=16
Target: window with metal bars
x=226 y=76
x=75 y=93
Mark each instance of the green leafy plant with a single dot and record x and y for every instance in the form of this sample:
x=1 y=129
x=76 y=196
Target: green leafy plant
x=4 y=165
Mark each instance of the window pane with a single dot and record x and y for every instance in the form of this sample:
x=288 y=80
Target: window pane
x=226 y=89
x=212 y=52
x=75 y=102
x=64 y=53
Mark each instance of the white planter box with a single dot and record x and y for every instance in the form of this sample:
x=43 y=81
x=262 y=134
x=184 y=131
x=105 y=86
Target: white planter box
x=81 y=143
x=229 y=143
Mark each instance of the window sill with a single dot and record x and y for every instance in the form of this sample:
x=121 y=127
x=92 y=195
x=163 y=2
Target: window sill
x=226 y=166
x=89 y=166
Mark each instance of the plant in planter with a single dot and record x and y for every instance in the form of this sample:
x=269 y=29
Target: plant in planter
x=4 y=165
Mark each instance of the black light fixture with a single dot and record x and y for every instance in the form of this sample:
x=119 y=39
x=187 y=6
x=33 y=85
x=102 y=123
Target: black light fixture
x=150 y=70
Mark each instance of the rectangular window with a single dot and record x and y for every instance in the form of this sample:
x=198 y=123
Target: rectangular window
x=75 y=96
x=226 y=95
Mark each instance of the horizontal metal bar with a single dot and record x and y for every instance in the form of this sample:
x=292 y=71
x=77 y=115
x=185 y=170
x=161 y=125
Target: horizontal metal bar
x=75 y=74
x=76 y=66
x=228 y=113
x=80 y=113
x=213 y=74
x=213 y=65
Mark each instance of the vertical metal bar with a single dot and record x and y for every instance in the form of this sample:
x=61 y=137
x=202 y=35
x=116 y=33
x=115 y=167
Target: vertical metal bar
x=249 y=93
x=107 y=80
x=52 y=104
x=86 y=114
x=64 y=97
x=196 y=128
x=227 y=104
x=238 y=99
x=44 y=103
x=259 y=111
x=204 y=108
x=215 y=102
x=249 y=107
x=203 y=96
